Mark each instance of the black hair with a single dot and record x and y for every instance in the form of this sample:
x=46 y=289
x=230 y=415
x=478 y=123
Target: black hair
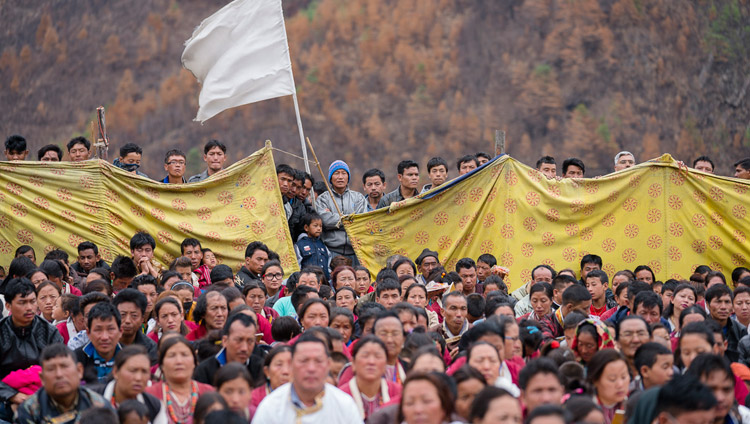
x=531 y=336
x=144 y=280
x=232 y=293
x=406 y=164
x=492 y=304
x=310 y=337
x=494 y=279
x=669 y=285
x=71 y=304
x=648 y=299
x=628 y=318
x=126 y=408
x=93 y=297
x=647 y=353
x=214 y=143
x=702 y=269
x=622 y=286
x=601 y=275
x=600 y=360
x=537 y=366
x=50 y=148
x=132 y=296
x=488 y=259
x=204 y=404
x=285 y=328
x=20 y=286
x=233 y=371
x=706 y=364
x=579 y=407
x=704 y=159
x=482 y=400
x=244 y=319
x=545 y=159
x=541 y=287
x=575 y=294
x=737 y=273
x=435 y=162
x=79 y=140
x=637 y=286
x=466 y=158
x=572 y=320
x=299 y=296
x=684 y=393
x=717 y=291
x=591 y=259
x=368 y=339
x=104 y=311
x=23 y=249
x=174 y=152
x=129 y=148
x=141 y=239
x=680 y=287
x=128 y=352
x=743 y=163
x=189 y=242
x=465 y=263
x=575 y=162
x=309 y=218
x=402 y=261
x=52 y=268
x=103 y=272
x=548 y=410
x=256 y=245
x=88 y=245
x=693 y=309
x=387 y=284
x=103 y=414
x=640 y=268
x=699 y=328
x=15 y=143
x=56 y=350
x=308 y=303
x=475 y=305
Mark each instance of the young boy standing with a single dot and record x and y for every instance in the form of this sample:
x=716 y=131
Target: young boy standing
x=310 y=249
x=596 y=283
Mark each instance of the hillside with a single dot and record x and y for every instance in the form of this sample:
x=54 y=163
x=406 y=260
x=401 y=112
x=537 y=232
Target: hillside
x=380 y=81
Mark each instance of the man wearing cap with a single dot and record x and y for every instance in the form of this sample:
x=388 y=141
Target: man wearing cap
x=426 y=262
x=624 y=160
x=345 y=200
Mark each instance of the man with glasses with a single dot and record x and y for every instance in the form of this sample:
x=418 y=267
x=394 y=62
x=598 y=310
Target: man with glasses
x=174 y=163
x=632 y=332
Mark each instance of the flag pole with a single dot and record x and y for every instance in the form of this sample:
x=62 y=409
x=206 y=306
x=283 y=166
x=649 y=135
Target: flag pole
x=301 y=132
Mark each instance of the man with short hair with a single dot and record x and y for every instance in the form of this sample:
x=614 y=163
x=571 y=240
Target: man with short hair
x=191 y=248
x=716 y=372
x=483 y=158
x=50 y=153
x=308 y=398
x=547 y=166
x=215 y=155
x=655 y=364
x=238 y=343
x=485 y=262
x=704 y=163
x=575 y=298
x=573 y=168
x=684 y=399
x=466 y=268
x=131 y=304
x=256 y=255
x=388 y=293
x=719 y=305
x=455 y=324
x=426 y=262
x=437 y=172
x=285 y=175
x=142 y=247
x=303 y=193
x=632 y=332
x=79 y=149
x=103 y=326
x=540 y=383
x=408 y=178
x=467 y=164
x=23 y=335
x=15 y=148
x=87 y=302
x=122 y=272
x=61 y=399
x=742 y=169
x=540 y=274
x=175 y=162
x=344 y=201
x=624 y=160
x=130 y=159
x=589 y=263
x=596 y=283
x=373 y=182
x=559 y=284
x=88 y=259
x=648 y=305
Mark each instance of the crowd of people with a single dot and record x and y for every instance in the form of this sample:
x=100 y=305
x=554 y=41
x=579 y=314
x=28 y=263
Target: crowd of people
x=132 y=341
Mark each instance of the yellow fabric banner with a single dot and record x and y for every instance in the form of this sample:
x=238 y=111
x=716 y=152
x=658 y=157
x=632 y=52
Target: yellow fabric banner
x=52 y=205
x=654 y=214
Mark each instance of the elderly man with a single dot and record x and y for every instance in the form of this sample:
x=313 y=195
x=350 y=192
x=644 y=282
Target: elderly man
x=308 y=398
x=624 y=160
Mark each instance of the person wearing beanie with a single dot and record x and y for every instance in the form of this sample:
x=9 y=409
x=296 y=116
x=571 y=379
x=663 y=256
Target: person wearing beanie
x=348 y=202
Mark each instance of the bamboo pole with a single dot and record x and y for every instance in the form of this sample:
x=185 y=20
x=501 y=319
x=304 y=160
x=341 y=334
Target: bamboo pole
x=325 y=179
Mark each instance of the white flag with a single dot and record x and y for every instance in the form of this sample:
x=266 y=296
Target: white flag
x=240 y=55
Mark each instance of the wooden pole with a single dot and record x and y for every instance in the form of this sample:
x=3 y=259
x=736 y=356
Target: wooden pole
x=499 y=142
x=325 y=179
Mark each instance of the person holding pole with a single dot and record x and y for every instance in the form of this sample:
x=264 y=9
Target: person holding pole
x=334 y=203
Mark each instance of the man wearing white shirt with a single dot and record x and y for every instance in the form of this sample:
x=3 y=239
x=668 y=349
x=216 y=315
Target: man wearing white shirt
x=307 y=398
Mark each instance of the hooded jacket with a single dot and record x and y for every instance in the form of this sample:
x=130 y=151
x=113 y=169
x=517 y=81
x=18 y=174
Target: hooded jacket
x=349 y=203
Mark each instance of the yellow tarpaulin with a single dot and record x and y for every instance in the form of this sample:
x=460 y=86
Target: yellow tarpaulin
x=52 y=205
x=655 y=214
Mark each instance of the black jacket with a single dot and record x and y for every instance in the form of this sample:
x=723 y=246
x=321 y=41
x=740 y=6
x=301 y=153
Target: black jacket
x=735 y=333
x=247 y=276
x=21 y=347
x=206 y=370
